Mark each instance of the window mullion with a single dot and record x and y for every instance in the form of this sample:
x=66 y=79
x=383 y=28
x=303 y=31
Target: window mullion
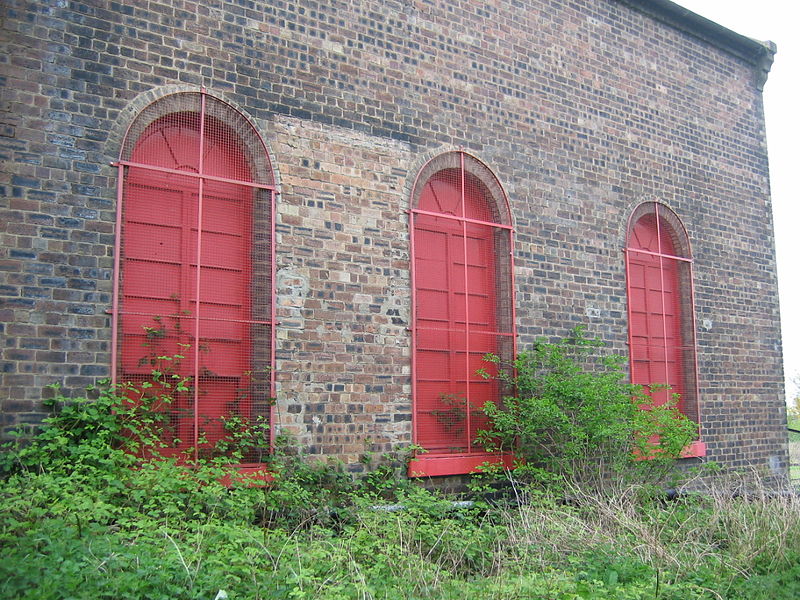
x=117 y=276
x=663 y=296
x=468 y=399
x=197 y=290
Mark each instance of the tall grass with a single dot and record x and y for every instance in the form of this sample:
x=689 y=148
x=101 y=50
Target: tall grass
x=80 y=518
x=148 y=536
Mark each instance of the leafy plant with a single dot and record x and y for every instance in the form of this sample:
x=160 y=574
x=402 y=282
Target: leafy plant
x=573 y=417
x=82 y=517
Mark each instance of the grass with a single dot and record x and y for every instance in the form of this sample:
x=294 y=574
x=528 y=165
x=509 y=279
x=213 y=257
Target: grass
x=82 y=519
x=151 y=535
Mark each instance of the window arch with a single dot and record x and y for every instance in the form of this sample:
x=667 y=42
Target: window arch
x=194 y=270
x=661 y=320
x=463 y=307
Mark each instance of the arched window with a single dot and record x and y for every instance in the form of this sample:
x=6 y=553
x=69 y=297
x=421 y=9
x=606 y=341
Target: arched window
x=194 y=277
x=660 y=308
x=463 y=308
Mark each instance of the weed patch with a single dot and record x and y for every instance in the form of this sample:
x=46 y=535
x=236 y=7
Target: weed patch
x=81 y=516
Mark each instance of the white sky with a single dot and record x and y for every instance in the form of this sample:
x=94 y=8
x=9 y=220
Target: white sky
x=776 y=20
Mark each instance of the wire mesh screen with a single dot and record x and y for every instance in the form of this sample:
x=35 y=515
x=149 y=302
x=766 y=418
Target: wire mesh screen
x=195 y=306
x=221 y=120
x=662 y=345
x=463 y=306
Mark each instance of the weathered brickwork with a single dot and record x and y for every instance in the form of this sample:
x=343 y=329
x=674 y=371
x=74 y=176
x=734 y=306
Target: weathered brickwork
x=582 y=110
x=343 y=292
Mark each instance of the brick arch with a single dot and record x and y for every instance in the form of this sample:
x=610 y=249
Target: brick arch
x=457 y=159
x=646 y=203
x=154 y=103
x=675 y=227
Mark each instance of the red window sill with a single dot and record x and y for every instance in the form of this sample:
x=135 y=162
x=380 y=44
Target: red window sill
x=429 y=465
x=438 y=465
x=694 y=450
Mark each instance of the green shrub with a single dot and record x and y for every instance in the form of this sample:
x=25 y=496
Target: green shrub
x=81 y=516
x=572 y=416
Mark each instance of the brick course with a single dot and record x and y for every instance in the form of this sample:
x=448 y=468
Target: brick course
x=582 y=110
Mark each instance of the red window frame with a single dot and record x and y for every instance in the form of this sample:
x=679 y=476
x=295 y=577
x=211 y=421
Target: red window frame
x=661 y=324
x=195 y=181
x=462 y=308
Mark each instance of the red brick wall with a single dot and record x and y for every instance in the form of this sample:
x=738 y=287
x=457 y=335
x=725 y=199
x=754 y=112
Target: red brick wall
x=582 y=110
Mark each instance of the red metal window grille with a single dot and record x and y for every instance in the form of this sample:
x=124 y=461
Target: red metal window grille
x=194 y=275
x=660 y=307
x=461 y=239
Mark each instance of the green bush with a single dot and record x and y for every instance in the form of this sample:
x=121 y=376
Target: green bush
x=82 y=516
x=571 y=416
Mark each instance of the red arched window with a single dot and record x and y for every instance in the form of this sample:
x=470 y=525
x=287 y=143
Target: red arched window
x=461 y=240
x=193 y=295
x=660 y=308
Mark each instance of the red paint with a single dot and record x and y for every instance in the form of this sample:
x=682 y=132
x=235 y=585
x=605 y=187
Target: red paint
x=425 y=465
x=185 y=277
x=660 y=311
x=456 y=275
x=654 y=299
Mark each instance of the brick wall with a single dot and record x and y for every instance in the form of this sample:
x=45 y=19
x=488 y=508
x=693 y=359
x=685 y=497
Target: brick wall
x=582 y=110
x=343 y=360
